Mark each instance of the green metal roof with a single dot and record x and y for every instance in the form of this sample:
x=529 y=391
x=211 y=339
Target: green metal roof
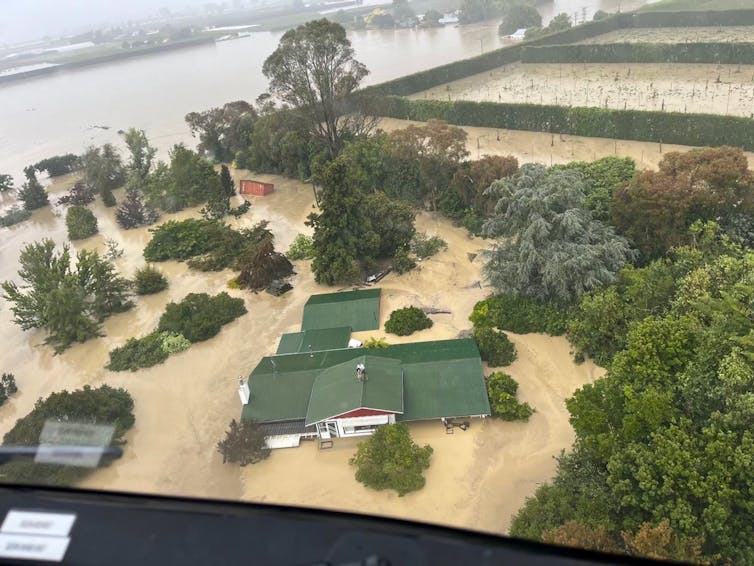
x=359 y=310
x=314 y=340
x=443 y=378
x=337 y=390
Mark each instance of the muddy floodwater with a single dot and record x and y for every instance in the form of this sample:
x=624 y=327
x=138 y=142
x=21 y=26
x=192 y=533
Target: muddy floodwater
x=551 y=149
x=723 y=34
x=695 y=88
x=477 y=478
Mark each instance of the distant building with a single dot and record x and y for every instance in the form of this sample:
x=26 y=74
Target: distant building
x=518 y=35
x=451 y=18
x=316 y=387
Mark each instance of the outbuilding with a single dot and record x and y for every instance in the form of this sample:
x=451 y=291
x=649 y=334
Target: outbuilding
x=256 y=188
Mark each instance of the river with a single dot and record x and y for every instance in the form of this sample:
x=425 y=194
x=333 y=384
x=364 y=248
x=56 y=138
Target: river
x=65 y=112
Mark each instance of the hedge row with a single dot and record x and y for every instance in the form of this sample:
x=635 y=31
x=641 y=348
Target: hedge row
x=691 y=18
x=667 y=127
x=417 y=82
x=717 y=53
x=430 y=78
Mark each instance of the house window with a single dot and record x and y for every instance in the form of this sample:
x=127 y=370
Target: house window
x=358 y=429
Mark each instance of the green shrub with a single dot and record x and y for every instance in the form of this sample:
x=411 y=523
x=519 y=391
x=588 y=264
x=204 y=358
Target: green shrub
x=520 y=315
x=199 y=317
x=473 y=222
x=494 y=346
x=14 y=215
x=390 y=459
x=138 y=353
x=406 y=321
x=423 y=246
x=173 y=343
x=58 y=164
x=402 y=262
x=208 y=245
x=373 y=342
x=501 y=390
x=104 y=405
x=7 y=386
x=81 y=222
x=301 y=248
x=149 y=280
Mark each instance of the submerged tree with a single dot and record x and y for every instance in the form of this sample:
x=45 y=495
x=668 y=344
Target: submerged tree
x=390 y=459
x=6 y=183
x=225 y=131
x=549 y=245
x=69 y=304
x=32 y=194
x=103 y=171
x=133 y=213
x=262 y=265
x=244 y=443
x=313 y=69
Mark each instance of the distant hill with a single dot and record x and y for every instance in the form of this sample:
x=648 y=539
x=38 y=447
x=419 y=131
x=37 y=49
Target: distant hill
x=677 y=5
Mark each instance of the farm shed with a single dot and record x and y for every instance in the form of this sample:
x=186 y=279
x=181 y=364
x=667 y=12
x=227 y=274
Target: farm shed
x=256 y=188
x=359 y=310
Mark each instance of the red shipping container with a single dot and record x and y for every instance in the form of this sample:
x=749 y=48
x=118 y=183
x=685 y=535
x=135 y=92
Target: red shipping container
x=256 y=188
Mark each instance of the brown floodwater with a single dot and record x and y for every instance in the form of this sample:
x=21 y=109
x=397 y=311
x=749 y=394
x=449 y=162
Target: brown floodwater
x=182 y=407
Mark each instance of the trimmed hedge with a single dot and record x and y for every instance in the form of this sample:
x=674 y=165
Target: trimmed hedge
x=667 y=127
x=691 y=18
x=430 y=78
x=714 y=53
x=424 y=80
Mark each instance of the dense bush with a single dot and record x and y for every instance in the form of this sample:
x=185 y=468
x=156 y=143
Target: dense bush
x=390 y=459
x=501 y=391
x=244 y=443
x=103 y=405
x=667 y=127
x=58 y=164
x=7 y=386
x=149 y=280
x=520 y=315
x=81 y=222
x=301 y=248
x=403 y=262
x=494 y=346
x=138 y=353
x=424 y=246
x=147 y=351
x=374 y=342
x=207 y=244
x=199 y=317
x=260 y=265
x=705 y=53
x=14 y=215
x=406 y=321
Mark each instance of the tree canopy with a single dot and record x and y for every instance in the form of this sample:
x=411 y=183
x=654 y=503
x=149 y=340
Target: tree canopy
x=313 y=69
x=103 y=405
x=244 y=443
x=549 y=246
x=224 y=131
x=69 y=304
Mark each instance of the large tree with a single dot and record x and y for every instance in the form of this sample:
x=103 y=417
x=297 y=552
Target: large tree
x=519 y=16
x=142 y=156
x=69 y=304
x=103 y=171
x=32 y=193
x=656 y=208
x=313 y=69
x=225 y=131
x=549 y=246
